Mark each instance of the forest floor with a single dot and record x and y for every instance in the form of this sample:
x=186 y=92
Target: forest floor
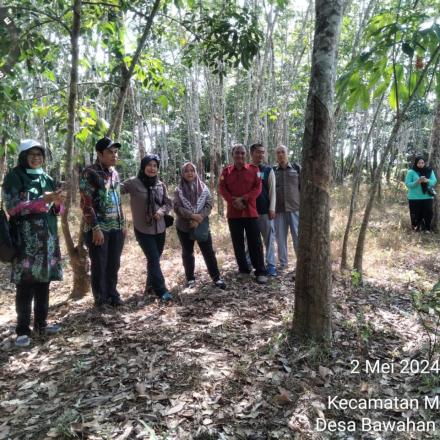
x=221 y=364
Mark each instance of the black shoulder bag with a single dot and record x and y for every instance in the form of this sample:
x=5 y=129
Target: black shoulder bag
x=7 y=248
x=169 y=219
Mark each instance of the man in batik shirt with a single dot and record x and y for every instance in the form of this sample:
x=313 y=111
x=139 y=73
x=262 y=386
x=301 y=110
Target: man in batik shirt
x=104 y=224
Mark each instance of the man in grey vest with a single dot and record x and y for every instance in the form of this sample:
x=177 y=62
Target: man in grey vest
x=287 y=204
x=266 y=205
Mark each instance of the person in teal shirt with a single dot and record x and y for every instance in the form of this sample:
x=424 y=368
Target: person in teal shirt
x=420 y=181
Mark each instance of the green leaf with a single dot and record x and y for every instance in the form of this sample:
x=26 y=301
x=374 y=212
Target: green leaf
x=413 y=81
x=83 y=134
x=393 y=97
x=163 y=101
x=437 y=85
x=375 y=77
x=403 y=92
x=49 y=74
x=353 y=99
x=364 y=97
x=380 y=90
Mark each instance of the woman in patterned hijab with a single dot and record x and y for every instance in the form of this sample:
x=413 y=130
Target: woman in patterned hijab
x=193 y=204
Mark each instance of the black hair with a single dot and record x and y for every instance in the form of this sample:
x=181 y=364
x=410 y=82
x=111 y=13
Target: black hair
x=253 y=147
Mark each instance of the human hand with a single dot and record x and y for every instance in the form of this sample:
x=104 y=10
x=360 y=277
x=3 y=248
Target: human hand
x=51 y=197
x=157 y=215
x=271 y=215
x=124 y=232
x=98 y=237
x=193 y=224
x=197 y=218
x=61 y=197
x=238 y=203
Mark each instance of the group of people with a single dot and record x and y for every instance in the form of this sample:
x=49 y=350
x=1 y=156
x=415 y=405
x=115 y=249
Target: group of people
x=262 y=207
x=262 y=203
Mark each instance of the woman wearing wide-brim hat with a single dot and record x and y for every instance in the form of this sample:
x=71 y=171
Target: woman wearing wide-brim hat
x=33 y=204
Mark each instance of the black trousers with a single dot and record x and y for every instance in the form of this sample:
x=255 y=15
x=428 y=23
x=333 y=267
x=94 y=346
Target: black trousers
x=26 y=292
x=105 y=261
x=152 y=245
x=421 y=212
x=237 y=226
x=188 y=255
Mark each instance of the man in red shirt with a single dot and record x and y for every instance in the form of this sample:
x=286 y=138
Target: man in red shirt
x=240 y=186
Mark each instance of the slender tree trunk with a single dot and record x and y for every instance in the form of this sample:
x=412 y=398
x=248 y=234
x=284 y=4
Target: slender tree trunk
x=434 y=162
x=262 y=64
x=314 y=276
x=393 y=157
x=3 y=158
x=77 y=254
x=117 y=115
x=290 y=71
x=215 y=86
x=356 y=183
x=139 y=122
x=193 y=116
x=247 y=110
x=358 y=258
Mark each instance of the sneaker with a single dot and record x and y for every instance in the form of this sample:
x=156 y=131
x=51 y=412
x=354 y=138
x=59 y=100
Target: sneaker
x=51 y=329
x=243 y=276
x=191 y=284
x=261 y=279
x=220 y=284
x=166 y=297
x=22 y=341
x=271 y=271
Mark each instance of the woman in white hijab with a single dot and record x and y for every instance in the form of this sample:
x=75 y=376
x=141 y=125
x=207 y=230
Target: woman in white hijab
x=193 y=204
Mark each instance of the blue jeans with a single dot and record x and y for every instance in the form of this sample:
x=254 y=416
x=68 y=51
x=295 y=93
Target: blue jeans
x=267 y=229
x=152 y=245
x=283 y=222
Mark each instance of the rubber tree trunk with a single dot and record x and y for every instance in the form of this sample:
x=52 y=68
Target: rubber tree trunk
x=77 y=254
x=312 y=316
x=117 y=115
x=434 y=162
